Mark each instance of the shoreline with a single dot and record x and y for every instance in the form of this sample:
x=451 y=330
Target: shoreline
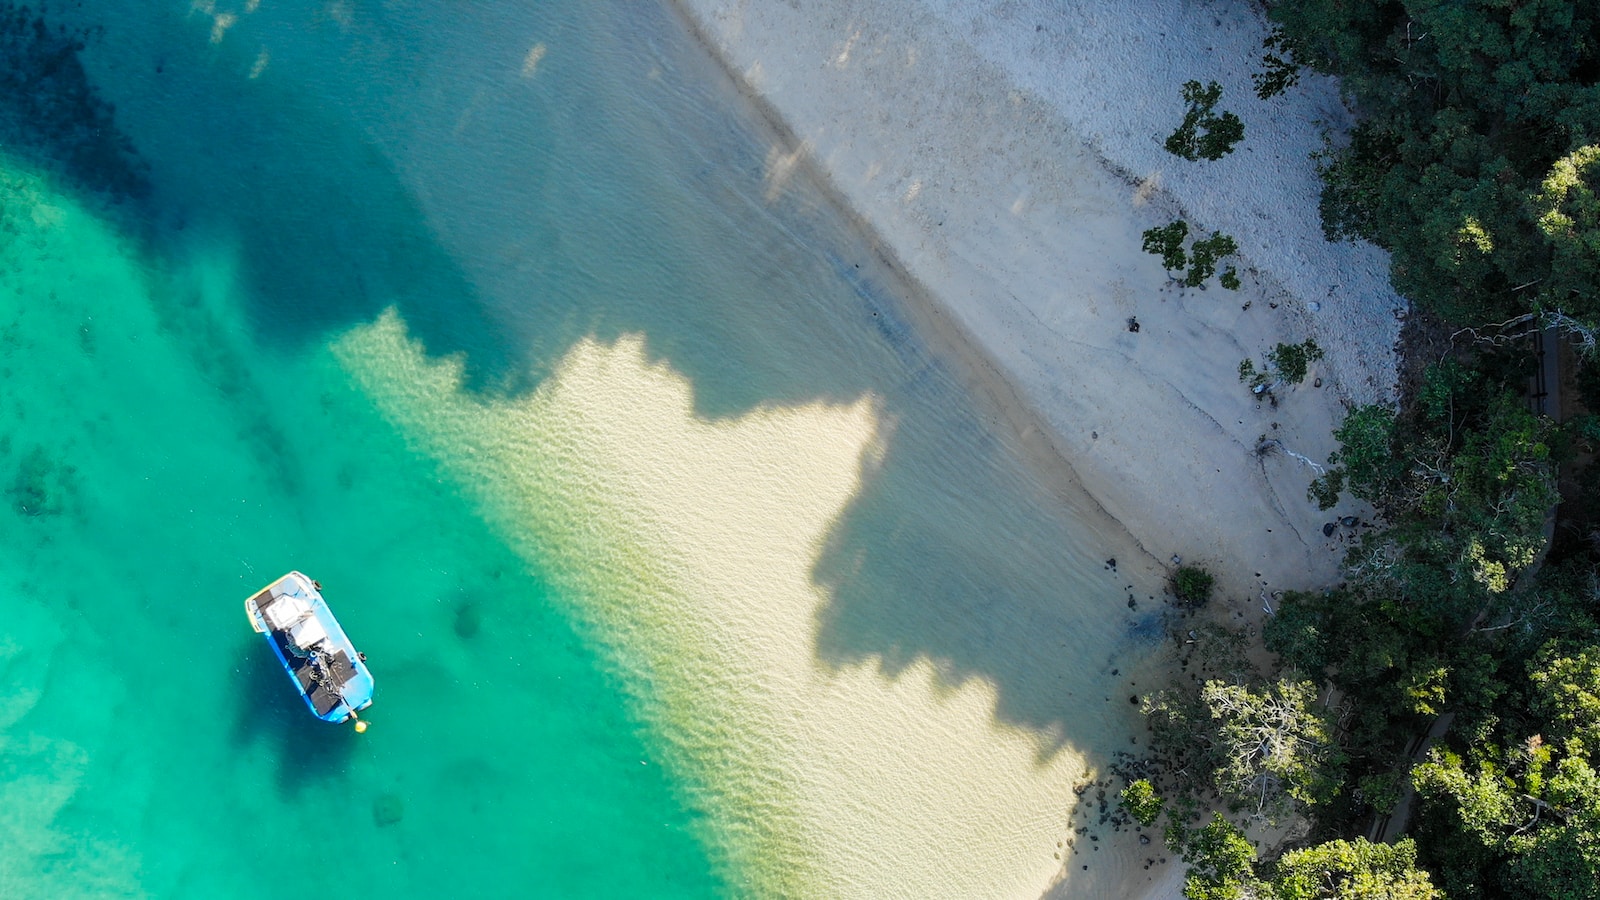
x=816 y=684
x=931 y=318
x=1016 y=230
x=921 y=137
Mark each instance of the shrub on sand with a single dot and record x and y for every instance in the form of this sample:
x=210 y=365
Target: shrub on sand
x=1192 y=585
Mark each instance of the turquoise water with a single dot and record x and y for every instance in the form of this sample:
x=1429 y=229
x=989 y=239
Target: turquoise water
x=152 y=743
x=177 y=429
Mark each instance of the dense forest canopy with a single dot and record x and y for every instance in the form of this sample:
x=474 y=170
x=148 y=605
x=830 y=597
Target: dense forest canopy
x=1449 y=689
x=1478 y=154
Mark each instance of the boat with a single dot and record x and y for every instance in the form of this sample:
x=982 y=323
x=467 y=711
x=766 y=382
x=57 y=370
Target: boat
x=324 y=665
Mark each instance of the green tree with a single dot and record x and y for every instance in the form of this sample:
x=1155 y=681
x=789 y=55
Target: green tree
x=1203 y=257
x=1562 y=860
x=1567 y=692
x=1466 y=482
x=1200 y=260
x=1272 y=746
x=1566 y=209
x=1280 y=71
x=1179 y=725
x=1366 y=463
x=1352 y=870
x=1527 y=822
x=1471 y=163
x=1221 y=862
x=1298 y=632
x=1264 y=748
x=1519 y=807
x=1204 y=134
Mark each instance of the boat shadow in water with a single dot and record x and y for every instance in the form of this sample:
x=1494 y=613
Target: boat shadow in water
x=307 y=750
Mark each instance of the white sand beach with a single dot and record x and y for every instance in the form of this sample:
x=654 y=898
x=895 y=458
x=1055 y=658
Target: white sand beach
x=1008 y=157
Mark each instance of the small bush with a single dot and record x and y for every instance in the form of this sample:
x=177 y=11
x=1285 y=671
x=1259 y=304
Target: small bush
x=1192 y=585
x=1166 y=242
x=1286 y=364
x=1221 y=132
x=1292 y=360
x=1140 y=801
x=1201 y=260
x=1204 y=255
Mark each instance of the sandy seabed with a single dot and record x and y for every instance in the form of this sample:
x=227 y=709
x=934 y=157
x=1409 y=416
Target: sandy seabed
x=699 y=543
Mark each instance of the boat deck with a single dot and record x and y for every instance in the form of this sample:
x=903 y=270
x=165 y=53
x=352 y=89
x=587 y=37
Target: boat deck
x=323 y=674
x=324 y=695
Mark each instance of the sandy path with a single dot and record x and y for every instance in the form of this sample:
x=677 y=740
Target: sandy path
x=1008 y=157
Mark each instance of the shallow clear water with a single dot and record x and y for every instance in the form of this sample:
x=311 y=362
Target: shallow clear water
x=197 y=399
x=154 y=743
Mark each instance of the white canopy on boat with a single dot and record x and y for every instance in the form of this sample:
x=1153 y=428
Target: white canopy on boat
x=284 y=610
x=308 y=633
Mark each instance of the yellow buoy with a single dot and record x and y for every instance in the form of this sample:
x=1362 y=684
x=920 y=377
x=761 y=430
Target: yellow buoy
x=361 y=727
